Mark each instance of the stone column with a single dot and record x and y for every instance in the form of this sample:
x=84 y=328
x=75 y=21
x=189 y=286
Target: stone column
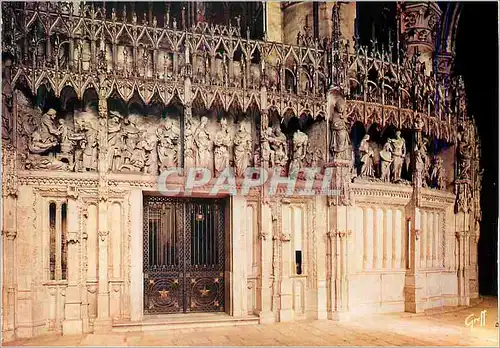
x=9 y=232
x=414 y=279
x=414 y=289
x=463 y=268
x=320 y=244
x=285 y=282
x=186 y=148
x=73 y=324
x=273 y=21
x=9 y=205
x=238 y=278
x=264 y=284
x=136 y=253
x=444 y=68
x=103 y=320
x=338 y=262
x=419 y=24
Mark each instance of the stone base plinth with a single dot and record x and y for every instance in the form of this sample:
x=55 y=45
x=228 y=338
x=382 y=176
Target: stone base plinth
x=286 y=315
x=266 y=317
x=103 y=325
x=72 y=327
x=338 y=316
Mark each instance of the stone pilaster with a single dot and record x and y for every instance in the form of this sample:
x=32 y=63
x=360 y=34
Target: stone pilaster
x=414 y=279
x=103 y=320
x=9 y=205
x=265 y=295
x=73 y=324
x=339 y=278
x=9 y=233
x=238 y=277
x=136 y=252
x=320 y=303
x=463 y=268
x=285 y=281
x=339 y=230
x=414 y=290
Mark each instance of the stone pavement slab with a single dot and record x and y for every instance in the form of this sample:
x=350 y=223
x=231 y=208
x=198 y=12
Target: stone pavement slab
x=436 y=328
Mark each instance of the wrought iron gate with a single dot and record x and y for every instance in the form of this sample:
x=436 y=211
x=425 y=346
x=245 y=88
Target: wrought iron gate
x=183 y=255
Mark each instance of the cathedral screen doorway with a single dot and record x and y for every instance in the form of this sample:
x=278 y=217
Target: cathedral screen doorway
x=183 y=255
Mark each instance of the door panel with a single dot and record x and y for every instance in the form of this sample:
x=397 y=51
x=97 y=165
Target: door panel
x=205 y=262
x=183 y=255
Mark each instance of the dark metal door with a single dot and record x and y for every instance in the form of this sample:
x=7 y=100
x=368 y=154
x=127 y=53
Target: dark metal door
x=183 y=255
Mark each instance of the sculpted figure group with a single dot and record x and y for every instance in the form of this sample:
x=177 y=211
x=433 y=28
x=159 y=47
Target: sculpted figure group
x=150 y=148
x=58 y=145
x=393 y=157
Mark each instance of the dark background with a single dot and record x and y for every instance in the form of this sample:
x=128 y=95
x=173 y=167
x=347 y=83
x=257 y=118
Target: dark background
x=477 y=61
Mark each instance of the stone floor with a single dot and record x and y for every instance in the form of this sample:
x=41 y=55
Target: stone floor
x=438 y=328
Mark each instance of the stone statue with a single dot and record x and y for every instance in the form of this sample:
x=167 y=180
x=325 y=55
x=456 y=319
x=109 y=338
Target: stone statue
x=115 y=144
x=279 y=148
x=89 y=159
x=398 y=155
x=201 y=138
x=222 y=142
x=37 y=145
x=45 y=137
x=168 y=145
x=385 y=162
x=422 y=161
x=151 y=166
x=464 y=155
x=242 y=150
x=437 y=176
x=68 y=140
x=140 y=159
x=6 y=112
x=366 y=152
x=267 y=152
x=340 y=143
x=46 y=162
x=300 y=143
x=130 y=138
x=189 y=156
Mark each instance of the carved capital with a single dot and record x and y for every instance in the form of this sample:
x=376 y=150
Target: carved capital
x=103 y=190
x=72 y=193
x=420 y=24
x=338 y=234
x=444 y=63
x=72 y=238
x=417 y=234
x=9 y=186
x=103 y=235
x=285 y=237
x=10 y=234
x=463 y=196
x=461 y=234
